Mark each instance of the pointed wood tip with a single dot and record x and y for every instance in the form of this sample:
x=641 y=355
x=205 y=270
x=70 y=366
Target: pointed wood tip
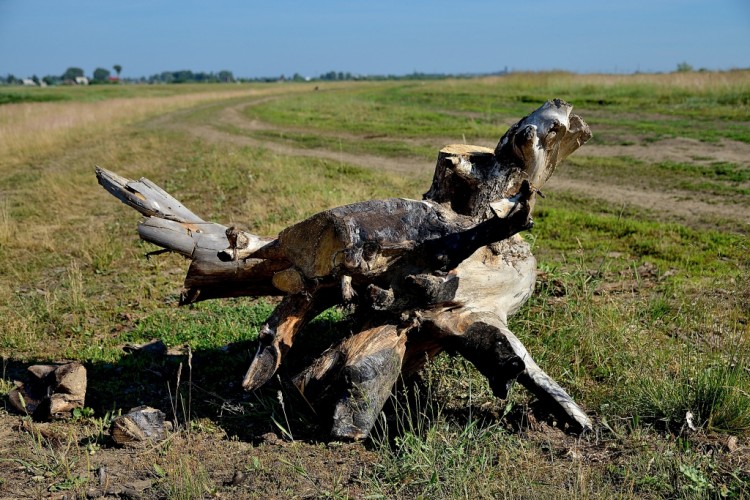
x=263 y=367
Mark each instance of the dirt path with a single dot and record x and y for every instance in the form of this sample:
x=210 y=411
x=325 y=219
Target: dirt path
x=678 y=149
x=685 y=206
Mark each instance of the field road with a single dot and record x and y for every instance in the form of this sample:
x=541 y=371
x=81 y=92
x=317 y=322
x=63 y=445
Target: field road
x=230 y=124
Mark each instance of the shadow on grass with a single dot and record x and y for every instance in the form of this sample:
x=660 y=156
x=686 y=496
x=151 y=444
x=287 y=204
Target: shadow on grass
x=203 y=387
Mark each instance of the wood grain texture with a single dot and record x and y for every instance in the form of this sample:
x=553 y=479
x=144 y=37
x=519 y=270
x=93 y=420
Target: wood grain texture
x=423 y=276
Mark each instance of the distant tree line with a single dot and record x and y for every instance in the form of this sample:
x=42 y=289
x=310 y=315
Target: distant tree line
x=103 y=75
x=100 y=75
x=343 y=76
x=187 y=76
x=332 y=76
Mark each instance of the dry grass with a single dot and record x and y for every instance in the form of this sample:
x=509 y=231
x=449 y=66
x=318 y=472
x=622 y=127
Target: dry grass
x=7 y=229
x=695 y=81
x=38 y=128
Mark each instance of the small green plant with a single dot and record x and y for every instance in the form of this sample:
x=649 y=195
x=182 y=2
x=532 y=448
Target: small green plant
x=82 y=413
x=70 y=483
x=697 y=482
x=159 y=471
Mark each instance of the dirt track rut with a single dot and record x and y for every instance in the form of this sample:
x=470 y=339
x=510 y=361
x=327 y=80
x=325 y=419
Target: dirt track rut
x=674 y=204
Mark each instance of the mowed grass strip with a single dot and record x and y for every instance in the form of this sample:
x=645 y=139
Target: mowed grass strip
x=706 y=106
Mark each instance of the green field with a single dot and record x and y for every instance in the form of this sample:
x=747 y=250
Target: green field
x=641 y=310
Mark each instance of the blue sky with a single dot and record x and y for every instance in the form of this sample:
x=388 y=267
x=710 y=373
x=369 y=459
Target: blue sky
x=270 y=38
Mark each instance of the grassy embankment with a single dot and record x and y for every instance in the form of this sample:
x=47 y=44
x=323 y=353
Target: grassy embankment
x=642 y=320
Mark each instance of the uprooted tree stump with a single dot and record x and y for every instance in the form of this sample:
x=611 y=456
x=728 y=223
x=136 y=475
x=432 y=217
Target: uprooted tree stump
x=443 y=273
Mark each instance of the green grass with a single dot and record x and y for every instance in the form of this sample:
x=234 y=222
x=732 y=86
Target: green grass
x=716 y=395
x=375 y=146
x=483 y=109
x=16 y=97
x=204 y=325
x=615 y=346
x=367 y=114
x=719 y=170
x=657 y=128
x=697 y=254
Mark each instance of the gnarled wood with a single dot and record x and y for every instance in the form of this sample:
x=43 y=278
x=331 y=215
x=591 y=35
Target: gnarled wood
x=277 y=334
x=485 y=340
x=443 y=273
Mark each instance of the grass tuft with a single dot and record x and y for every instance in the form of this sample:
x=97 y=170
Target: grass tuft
x=717 y=397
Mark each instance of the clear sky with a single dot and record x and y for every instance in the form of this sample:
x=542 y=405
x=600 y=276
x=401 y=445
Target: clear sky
x=273 y=37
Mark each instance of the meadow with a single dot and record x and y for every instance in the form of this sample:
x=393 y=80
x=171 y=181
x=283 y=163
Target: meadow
x=641 y=309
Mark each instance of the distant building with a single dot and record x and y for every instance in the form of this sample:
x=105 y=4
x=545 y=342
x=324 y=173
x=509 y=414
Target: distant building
x=82 y=80
x=28 y=82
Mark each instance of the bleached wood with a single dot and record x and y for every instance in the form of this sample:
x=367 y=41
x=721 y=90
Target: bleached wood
x=546 y=389
x=146 y=197
x=448 y=269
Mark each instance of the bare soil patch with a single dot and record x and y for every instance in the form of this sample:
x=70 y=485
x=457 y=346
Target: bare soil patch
x=678 y=149
x=49 y=461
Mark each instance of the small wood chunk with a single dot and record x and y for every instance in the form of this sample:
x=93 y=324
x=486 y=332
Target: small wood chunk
x=140 y=425
x=52 y=392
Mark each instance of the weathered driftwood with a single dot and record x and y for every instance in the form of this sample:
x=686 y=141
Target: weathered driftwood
x=443 y=273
